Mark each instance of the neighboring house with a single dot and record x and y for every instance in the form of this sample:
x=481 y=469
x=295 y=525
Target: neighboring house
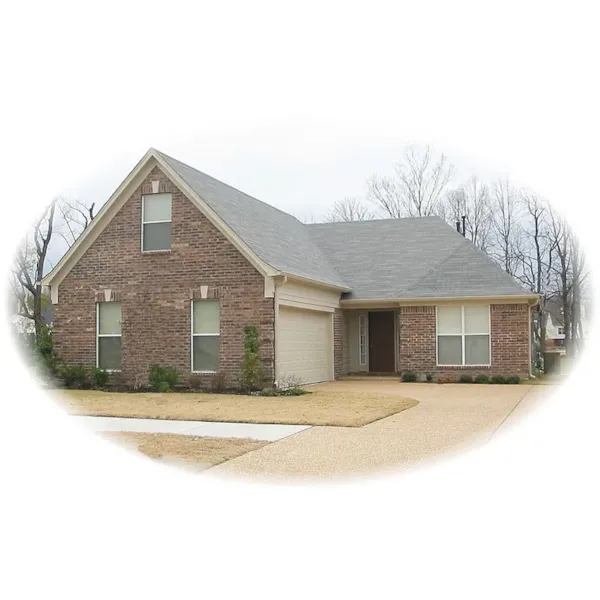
x=177 y=263
x=555 y=326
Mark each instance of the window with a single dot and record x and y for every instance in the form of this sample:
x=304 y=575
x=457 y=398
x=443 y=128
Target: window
x=463 y=335
x=156 y=222
x=205 y=336
x=362 y=339
x=108 y=327
x=561 y=331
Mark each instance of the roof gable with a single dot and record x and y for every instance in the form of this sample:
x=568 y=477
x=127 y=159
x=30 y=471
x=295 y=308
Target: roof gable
x=279 y=239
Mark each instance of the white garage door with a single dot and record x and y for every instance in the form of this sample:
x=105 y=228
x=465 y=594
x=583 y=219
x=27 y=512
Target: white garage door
x=304 y=344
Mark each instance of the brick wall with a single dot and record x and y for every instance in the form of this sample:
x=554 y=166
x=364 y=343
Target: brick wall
x=416 y=343
x=340 y=345
x=509 y=342
x=155 y=291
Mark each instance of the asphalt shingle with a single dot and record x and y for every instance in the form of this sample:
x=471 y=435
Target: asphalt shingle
x=380 y=259
x=410 y=258
x=278 y=239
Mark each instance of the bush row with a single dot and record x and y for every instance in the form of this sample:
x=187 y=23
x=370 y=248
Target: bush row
x=409 y=376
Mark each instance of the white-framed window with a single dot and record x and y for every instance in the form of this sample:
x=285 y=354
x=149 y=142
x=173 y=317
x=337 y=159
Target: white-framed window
x=362 y=339
x=108 y=335
x=205 y=336
x=463 y=335
x=156 y=222
x=561 y=331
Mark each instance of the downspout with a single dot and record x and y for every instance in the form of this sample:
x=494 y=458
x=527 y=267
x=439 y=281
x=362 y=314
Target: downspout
x=279 y=283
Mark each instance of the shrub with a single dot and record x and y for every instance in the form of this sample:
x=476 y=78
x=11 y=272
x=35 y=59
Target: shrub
x=465 y=379
x=268 y=392
x=76 y=376
x=409 y=377
x=99 y=378
x=294 y=391
x=482 y=379
x=252 y=373
x=429 y=377
x=498 y=379
x=162 y=379
x=513 y=379
x=217 y=382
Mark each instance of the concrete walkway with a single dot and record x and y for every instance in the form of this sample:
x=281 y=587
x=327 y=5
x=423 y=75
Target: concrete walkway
x=448 y=418
x=256 y=431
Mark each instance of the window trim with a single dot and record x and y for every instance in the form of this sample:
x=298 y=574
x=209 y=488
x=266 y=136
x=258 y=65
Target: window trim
x=193 y=335
x=99 y=335
x=463 y=335
x=155 y=223
x=362 y=339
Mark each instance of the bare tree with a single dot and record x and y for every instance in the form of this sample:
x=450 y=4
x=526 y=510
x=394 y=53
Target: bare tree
x=505 y=225
x=63 y=217
x=471 y=200
x=535 y=253
x=349 y=209
x=28 y=268
x=418 y=188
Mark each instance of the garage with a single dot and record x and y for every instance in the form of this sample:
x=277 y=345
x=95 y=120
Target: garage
x=304 y=344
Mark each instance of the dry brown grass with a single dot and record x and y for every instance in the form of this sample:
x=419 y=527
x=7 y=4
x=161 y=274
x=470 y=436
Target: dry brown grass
x=197 y=453
x=323 y=407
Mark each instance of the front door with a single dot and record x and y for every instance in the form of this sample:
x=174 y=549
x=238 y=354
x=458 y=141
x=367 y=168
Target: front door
x=381 y=342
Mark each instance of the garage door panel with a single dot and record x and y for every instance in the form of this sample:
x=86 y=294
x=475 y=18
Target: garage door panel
x=304 y=344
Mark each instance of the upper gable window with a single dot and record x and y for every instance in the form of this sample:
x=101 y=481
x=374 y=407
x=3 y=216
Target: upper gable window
x=156 y=222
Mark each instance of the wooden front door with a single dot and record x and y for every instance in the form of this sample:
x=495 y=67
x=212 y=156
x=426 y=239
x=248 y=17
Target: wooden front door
x=381 y=342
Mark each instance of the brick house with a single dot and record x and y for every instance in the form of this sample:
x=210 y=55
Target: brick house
x=176 y=263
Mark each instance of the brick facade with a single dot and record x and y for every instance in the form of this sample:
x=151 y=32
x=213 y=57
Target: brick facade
x=155 y=290
x=510 y=342
x=340 y=344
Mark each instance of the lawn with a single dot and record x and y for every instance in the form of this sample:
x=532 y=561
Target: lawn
x=322 y=407
x=193 y=452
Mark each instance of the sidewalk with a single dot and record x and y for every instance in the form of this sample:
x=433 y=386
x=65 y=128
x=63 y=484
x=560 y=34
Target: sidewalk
x=256 y=431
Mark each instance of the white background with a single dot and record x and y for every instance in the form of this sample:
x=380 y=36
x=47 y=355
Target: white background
x=511 y=85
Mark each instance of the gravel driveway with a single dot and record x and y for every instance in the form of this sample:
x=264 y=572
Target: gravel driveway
x=449 y=417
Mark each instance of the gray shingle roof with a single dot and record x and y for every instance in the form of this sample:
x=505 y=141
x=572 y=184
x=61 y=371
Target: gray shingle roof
x=390 y=258
x=410 y=258
x=277 y=238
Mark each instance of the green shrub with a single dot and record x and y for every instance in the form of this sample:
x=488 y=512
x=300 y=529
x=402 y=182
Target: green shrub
x=409 y=377
x=99 y=378
x=162 y=379
x=163 y=386
x=498 y=379
x=76 y=376
x=268 y=392
x=252 y=372
x=482 y=379
x=429 y=377
x=513 y=379
x=294 y=391
x=465 y=379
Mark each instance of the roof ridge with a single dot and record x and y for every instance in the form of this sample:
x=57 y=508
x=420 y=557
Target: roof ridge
x=227 y=185
x=388 y=220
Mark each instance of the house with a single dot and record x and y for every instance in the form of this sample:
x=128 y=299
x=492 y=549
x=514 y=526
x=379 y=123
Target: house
x=176 y=263
x=555 y=329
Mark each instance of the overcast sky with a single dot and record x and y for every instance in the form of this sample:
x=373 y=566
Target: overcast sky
x=297 y=167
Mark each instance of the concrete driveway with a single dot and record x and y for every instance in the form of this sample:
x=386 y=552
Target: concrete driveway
x=448 y=418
